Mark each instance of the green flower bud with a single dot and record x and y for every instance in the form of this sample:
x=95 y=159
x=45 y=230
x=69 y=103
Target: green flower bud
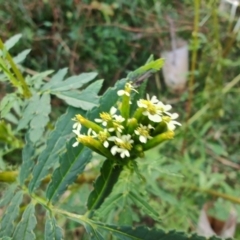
x=89 y=124
x=158 y=139
x=131 y=125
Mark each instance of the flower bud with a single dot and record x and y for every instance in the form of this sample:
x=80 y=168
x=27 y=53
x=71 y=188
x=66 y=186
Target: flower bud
x=131 y=125
x=89 y=124
x=158 y=139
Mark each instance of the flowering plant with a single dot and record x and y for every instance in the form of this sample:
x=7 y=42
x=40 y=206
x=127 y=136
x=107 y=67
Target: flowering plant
x=118 y=134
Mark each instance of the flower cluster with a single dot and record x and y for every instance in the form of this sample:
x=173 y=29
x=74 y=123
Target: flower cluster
x=117 y=134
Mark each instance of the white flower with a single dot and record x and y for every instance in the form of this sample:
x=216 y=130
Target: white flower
x=154 y=109
x=123 y=145
x=143 y=132
x=103 y=138
x=106 y=117
x=164 y=108
x=169 y=120
x=151 y=108
x=127 y=90
x=117 y=124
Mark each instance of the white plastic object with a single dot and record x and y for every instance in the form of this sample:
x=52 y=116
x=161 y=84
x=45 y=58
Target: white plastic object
x=176 y=66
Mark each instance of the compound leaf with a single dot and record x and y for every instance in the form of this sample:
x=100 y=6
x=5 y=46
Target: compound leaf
x=24 y=229
x=28 y=155
x=137 y=233
x=72 y=163
x=29 y=111
x=86 y=99
x=10 y=214
x=57 y=77
x=140 y=201
x=73 y=82
x=7 y=103
x=55 y=145
x=40 y=118
x=52 y=230
x=7 y=195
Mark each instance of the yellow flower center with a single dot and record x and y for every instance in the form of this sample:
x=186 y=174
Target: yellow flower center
x=151 y=108
x=124 y=145
x=105 y=116
x=166 y=119
x=102 y=136
x=143 y=131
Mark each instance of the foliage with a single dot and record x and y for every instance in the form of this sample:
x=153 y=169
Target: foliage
x=175 y=179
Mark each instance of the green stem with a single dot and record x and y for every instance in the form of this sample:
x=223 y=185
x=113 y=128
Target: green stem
x=193 y=67
x=26 y=91
x=194 y=55
x=214 y=193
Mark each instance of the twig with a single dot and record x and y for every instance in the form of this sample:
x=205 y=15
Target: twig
x=224 y=160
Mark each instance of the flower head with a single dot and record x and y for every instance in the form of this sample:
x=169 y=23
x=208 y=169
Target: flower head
x=127 y=90
x=123 y=145
x=144 y=132
x=103 y=138
x=169 y=120
x=106 y=117
x=151 y=108
x=117 y=124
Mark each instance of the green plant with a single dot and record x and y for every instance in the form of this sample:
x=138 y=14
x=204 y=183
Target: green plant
x=119 y=198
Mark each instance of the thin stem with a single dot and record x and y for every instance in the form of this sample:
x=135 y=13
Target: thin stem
x=26 y=91
x=193 y=66
x=194 y=55
x=214 y=193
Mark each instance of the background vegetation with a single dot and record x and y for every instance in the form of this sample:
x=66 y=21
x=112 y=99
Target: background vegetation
x=114 y=37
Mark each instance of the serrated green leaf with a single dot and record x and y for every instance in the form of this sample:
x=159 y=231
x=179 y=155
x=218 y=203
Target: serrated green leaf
x=145 y=71
x=57 y=77
x=94 y=233
x=138 y=233
x=12 y=211
x=110 y=203
x=40 y=118
x=7 y=103
x=104 y=184
x=125 y=216
x=143 y=204
x=28 y=155
x=72 y=163
x=29 y=111
x=5 y=238
x=52 y=230
x=7 y=195
x=73 y=82
x=11 y=42
x=24 y=229
x=109 y=98
x=21 y=56
x=86 y=99
x=55 y=145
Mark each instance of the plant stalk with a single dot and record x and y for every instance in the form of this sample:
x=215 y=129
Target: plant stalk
x=26 y=91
